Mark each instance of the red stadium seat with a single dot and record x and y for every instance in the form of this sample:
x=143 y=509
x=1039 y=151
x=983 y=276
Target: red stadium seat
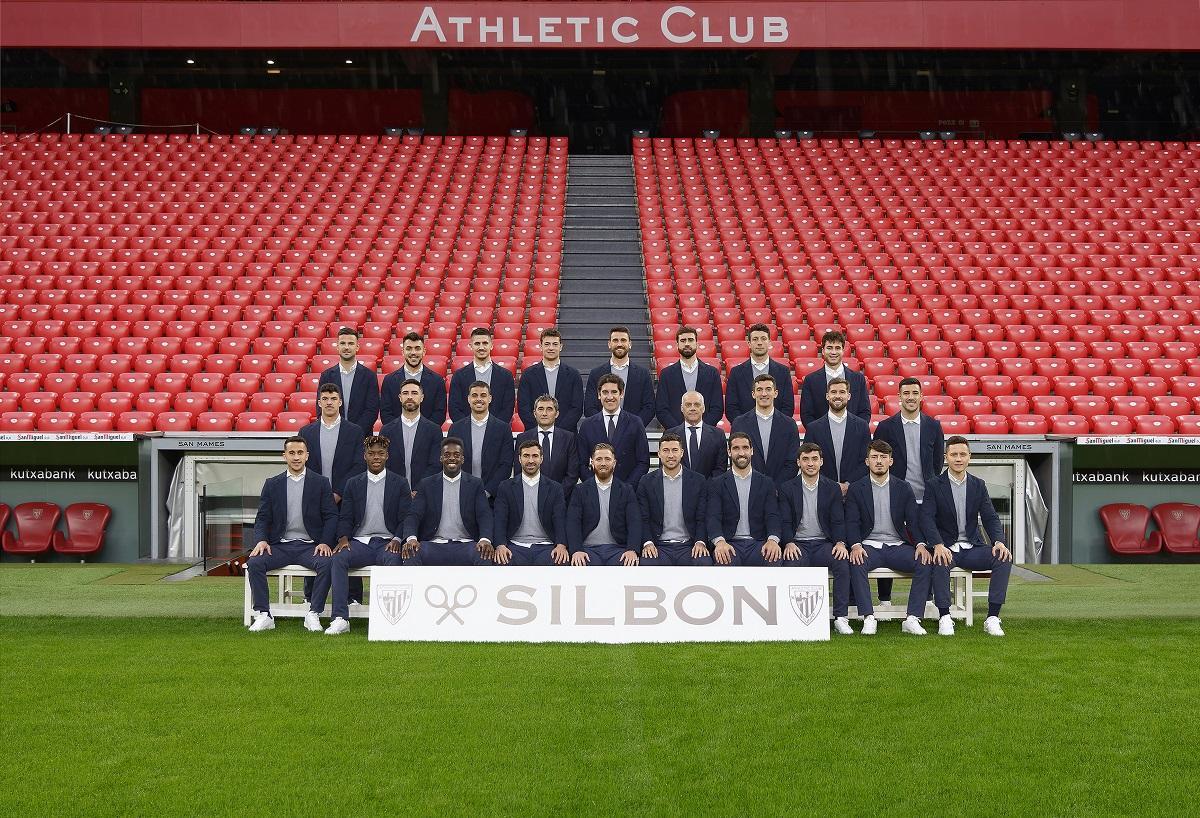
x=990 y=424
x=1069 y=425
x=35 y=524
x=135 y=422
x=1125 y=529
x=18 y=422
x=1112 y=425
x=86 y=524
x=56 y=422
x=1178 y=525
x=253 y=422
x=214 y=422
x=954 y=424
x=1154 y=425
x=174 y=421
x=1029 y=425
x=96 y=421
x=292 y=421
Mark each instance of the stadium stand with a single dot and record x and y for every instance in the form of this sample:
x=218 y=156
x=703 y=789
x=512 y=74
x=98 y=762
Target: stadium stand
x=1125 y=529
x=86 y=523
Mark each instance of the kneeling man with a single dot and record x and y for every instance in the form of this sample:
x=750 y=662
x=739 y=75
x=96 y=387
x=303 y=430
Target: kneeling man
x=530 y=520
x=450 y=521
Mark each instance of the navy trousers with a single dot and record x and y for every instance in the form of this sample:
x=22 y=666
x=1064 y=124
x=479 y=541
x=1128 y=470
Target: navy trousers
x=819 y=554
x=287 y=553
x=356 y=556
x=901 y=557
x=536 y=554
x=674 y=553
x=979 y=558
x=447 y=553
x=605 y=554
x=356 y=590
x=746 y=553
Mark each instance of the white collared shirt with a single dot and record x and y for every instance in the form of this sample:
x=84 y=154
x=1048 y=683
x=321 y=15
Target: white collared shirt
x=375 y=478
x=416 y=376
x=483 y=422
x=765 y=417
x=410 y=423
x=886 y=477
x=333 y=425
x=531 y=481
x=614 y=365
x=669 y=477
x=830 y=374
x=349 y=371
x=915 y=421
x=482 y=370
x=546 y=367
x=962 y=482
x=760 y=368
x=836 y=419
x=689 y=369
x=604 y=486
x=296 y=477
x=453 y=479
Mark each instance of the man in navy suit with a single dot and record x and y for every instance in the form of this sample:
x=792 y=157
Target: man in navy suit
x=604 y=523
x=917 y=444
x=487 y=441
x=743 y=512
x=483 y=368
x=688 y=374
x=672 y=501
x=885 y=528
x=416 y=441
x=739 y=397
x=450 y=521
x=358 y=385
x=560 y=460
x=843 y=435
x=774 y=435
x=813 y=389
x=369 y=527
x=705 y=449
x=433 y=385
x=813 y=519
x=637 y=390
x=955 y=503
x=295 y=523
x=530 y=523
x=622 y=429
x=551 y=376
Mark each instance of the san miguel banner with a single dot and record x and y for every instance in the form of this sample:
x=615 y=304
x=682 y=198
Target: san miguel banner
x=601 y=604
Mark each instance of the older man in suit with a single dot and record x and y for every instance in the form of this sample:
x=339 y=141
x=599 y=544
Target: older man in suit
x=705 y=450
x=560 y=459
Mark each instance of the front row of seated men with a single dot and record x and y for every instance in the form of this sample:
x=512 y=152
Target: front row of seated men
x=674 y=516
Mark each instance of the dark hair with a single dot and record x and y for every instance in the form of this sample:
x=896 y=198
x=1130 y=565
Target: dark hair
x=954 y=440
x=528 y=444
x=481 y=331
x=833 y=336
x=612 y=330
x=766 y=377
x=329 y=387
x=670 y=437
x=414 y=336
x=453 y=441
x=550 y=332
x=753 y=328
x=413 y=382
x=610 y=378
x=478 y=385
x=294 y=439
x=881 y=446
x=745 y=435
x=805 y=448
x=835 y=381
x=686 y=331
x=376 y=440
x=910 y=381
x=349 y=331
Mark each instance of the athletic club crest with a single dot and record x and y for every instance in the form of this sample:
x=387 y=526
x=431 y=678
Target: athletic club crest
x=394 y=601
x=1124 y=513
x=87 y=514
x=807 y=601
x=1176 y=515
x=37 y=512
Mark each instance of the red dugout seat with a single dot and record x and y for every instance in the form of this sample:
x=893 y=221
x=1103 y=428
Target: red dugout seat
x=86 y=524
x=35 y=524
x=1125 y=529
x=1178 y=528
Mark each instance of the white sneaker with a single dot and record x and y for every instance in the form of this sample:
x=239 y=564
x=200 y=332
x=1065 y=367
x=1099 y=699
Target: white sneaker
x=883 y=603
x=337 y=626
x=262 y=622
x=870 y=625
x=842 y=626
x=912 y=625
x=991 y=626
x=312 y=622
x=946 y=625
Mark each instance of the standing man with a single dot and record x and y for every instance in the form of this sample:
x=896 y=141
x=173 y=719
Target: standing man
x=843 y=435
x=774 y=435
x=487 y=441
x=560 y=459
x=483 y=369
x=885 y=528
x=369 y=527
x=449 y=522
x=813 y=517
x=358 y=385
x=295 y=523
x=530 y=523
x=604 y=524
x=637 y=391
x=617 y=427
x=672 y=501
x=415 y=440
x=705 y=450
x=551 y=377
x=739 y=398
x=955 y=502
x=433 y=385
x=812 y=391
x=743 y=513
x=688 y=374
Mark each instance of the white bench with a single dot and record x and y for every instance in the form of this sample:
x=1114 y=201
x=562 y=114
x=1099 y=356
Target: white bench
x=962 y=597
x=285 y=606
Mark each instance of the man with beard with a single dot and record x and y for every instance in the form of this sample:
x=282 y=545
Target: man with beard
x=530 y=519
x=433 y=385
x=358 y=385
x=688 y=374
x=604 y=525
x=637 y=393
x=416 y=441
x=743 y=512
x=450 y=521
x=843 y=435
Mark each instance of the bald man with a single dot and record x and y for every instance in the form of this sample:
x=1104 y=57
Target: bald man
x=704 y=447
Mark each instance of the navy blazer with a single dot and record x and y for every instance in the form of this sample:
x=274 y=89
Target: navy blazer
x=831 y=511
x=364 y=395
x=723 y=508
x=780 y=463
x=933 y=445
x=433 y=402
x=425 y=513
x=397 y=498
x=568 y=391
x=812 y=395
x=651 y=500
x=624 y=516
x=631 y=447
x=320 y=513
x=504 y=392
x=638 y=397
x=510 y=510
x=347 y=456
x=739 y=389
x=427 y=449
x=671 y=390
x=713 y=457
x=860 y=511
x=941 y=519
x=563 y=465
x=497 y=460
x=854 y=448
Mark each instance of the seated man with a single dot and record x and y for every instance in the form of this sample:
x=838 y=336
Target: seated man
x=295 y=523
x=560 y=461
x=672 y=501
x=369 y=522
x=604 y=525
x=531 y=515
x=955 y=502
x=814 y=525
x=450 y=521
x=743 y=513
x=883 y=524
